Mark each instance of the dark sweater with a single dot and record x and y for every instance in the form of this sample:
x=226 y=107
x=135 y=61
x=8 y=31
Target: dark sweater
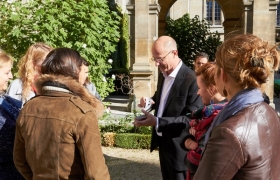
x=9 y=110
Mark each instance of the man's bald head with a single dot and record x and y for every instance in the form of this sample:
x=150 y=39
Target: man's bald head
x=165 y=43
x=165 y=54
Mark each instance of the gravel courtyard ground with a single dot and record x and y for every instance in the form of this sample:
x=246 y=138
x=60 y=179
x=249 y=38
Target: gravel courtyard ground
x=132 y=164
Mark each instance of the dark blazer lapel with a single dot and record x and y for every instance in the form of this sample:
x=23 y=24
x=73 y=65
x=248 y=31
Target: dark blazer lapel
x=159 y=89
x=176 y=85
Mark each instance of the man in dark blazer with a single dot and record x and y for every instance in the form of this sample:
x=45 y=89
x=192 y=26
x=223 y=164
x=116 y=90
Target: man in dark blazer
x=176 y=96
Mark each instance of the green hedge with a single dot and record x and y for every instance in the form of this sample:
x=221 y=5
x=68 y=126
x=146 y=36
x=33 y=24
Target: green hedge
x=130 y=140
x=102 y=139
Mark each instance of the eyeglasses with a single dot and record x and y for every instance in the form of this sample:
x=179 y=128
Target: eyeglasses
x=159 y=60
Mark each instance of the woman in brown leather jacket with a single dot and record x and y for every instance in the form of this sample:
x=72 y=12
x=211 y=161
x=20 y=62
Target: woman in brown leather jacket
x=243 y=140
x=57 y=135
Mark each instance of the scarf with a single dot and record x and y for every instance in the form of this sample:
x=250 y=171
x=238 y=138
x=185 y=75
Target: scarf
x=239 y=101
x=203 y=119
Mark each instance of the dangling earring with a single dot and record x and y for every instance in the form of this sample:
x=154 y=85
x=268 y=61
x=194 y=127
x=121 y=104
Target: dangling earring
x=225 y=92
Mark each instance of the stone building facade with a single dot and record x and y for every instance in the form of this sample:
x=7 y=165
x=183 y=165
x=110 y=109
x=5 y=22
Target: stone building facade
x=147 y=23
x=205 y=9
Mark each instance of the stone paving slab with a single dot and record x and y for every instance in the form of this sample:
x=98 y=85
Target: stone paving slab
x=132 y=164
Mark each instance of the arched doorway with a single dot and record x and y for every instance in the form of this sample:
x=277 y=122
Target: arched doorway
x=147 y=22
x=233 y=15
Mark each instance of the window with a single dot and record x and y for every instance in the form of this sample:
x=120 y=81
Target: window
x=213 y=12
x=217 y=12
x=209 y=11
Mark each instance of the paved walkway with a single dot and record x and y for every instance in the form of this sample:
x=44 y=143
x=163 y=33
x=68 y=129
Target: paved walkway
x=132 y=164
x=128 y=164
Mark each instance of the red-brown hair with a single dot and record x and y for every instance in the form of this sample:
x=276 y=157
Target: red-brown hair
x=247 y=59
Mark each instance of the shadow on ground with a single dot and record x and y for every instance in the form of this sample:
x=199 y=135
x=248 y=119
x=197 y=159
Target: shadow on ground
x=123 y=169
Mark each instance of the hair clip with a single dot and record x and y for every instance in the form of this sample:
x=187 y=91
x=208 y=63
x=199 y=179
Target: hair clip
x=257 y=62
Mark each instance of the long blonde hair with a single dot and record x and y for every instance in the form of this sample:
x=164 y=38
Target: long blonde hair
x=35 y=54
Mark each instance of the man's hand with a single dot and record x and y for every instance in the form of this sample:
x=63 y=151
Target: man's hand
x=149 y=121
x=146 y=103
x=142 y=102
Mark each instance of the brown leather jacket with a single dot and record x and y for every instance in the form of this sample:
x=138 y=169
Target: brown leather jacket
x=246 y=146
x=57 y=135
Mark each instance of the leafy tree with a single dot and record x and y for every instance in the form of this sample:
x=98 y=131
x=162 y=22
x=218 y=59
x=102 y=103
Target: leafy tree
x=120 y=56
x=88 y=26
x=192 y=36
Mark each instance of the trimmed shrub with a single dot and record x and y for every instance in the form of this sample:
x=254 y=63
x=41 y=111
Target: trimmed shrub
x=108 y=139
x=102 y=139
x=121 y=125
x=124 y=128
x=116 y=126
x=132 y=141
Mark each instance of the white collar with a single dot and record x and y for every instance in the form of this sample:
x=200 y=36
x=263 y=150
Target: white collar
x=53 y=88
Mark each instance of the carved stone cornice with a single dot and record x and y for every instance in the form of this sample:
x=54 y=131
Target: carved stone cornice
x=273 y=5
x=248 y=4
x=130 y=9
x=154 y=8
x=138 y=72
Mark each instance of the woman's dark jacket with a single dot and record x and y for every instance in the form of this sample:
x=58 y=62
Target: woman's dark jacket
x=9 y=110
